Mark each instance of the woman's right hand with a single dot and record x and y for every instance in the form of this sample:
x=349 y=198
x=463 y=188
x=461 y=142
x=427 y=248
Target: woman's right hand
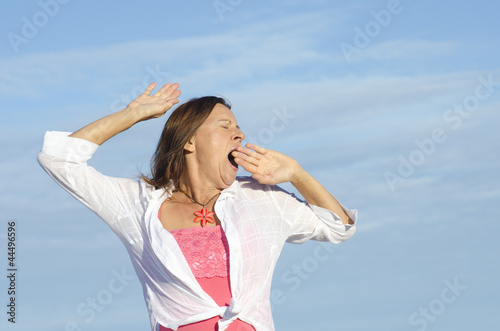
x=147 y=106
x=142 y=108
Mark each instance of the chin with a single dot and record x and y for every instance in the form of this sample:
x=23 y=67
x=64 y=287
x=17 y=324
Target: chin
x=228 y=181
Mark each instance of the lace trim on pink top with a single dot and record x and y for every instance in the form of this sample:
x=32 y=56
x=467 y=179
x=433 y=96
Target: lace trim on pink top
x=205 y=249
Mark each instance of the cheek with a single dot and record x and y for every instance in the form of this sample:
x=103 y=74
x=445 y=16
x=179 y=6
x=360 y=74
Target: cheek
x=211 y=150
x=213 y=143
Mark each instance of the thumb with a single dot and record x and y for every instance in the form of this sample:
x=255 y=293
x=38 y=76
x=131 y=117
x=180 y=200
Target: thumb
x=258 y=177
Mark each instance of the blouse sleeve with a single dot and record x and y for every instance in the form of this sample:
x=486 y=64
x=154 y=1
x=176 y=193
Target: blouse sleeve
x=115 y=200
x=308 y=222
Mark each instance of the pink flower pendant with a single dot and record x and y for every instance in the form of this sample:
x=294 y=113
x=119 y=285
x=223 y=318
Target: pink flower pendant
x=204 y=216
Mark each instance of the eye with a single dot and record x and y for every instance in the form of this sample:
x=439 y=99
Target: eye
x=225 y=127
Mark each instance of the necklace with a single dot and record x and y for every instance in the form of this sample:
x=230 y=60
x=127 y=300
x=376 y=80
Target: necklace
x=203 y=215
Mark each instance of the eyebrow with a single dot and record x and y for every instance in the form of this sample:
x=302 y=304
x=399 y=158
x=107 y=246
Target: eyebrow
x=229 y=122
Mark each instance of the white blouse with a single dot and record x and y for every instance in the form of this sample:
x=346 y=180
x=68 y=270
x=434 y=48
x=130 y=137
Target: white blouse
x=257 y=220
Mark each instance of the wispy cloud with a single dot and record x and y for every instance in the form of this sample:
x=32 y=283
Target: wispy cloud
x=250 y=52
x=408 y=49
x=348 y=124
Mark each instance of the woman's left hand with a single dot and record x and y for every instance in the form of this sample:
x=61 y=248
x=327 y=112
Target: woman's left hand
x=265 y=165
x=271 y=167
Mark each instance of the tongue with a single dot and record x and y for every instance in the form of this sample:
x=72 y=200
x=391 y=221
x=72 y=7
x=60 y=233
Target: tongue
x=231 y=159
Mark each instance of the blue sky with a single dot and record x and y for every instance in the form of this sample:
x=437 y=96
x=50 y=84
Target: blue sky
x=393 y=105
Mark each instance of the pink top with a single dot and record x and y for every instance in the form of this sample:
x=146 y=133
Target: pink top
x=206 y=250
x=207 y=253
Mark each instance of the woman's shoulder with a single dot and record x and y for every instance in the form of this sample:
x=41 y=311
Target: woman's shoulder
x=150 y=192
x=249 y=189
x=250 y=183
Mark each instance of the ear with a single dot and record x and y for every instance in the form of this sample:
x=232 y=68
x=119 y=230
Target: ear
x=190 y=145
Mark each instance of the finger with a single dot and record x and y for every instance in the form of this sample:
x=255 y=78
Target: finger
x=245 y=157
x=169 y=103
x=246 y=165
x=171 y=89
x=249 y=152
x=258 y=149
x=166 y=104
x=176 y=94
x=149 y=89
x=162 y=90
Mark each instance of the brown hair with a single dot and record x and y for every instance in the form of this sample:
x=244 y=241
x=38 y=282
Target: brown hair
x=168 y=161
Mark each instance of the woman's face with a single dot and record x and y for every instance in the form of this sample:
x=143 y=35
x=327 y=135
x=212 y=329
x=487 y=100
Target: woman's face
x=212 y=145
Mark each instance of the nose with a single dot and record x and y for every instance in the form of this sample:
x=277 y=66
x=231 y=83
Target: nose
x=239 y=135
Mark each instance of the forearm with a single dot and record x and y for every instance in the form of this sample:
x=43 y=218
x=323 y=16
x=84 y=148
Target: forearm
x=316 y=194
x=103 y=129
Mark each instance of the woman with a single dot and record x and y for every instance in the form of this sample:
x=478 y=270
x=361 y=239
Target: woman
x=203 y=242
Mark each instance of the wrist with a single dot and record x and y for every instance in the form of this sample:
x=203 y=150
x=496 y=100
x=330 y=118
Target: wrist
x=131 y=115
x=299 y=175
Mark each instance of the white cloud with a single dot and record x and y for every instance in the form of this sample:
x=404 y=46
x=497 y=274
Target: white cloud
x=252 y=51
x=407 y=49
x=350 y=127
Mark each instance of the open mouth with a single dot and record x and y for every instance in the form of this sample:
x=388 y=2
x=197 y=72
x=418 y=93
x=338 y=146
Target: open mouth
x=230 y=157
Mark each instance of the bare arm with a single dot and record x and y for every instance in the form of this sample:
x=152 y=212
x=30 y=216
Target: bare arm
x=271 y=167
x=316 y=194
x=144 y=107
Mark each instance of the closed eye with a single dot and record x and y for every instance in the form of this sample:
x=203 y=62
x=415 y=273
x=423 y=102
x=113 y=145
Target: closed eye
x=227 y=124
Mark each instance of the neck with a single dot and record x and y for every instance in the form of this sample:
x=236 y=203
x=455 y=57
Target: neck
x=196 y=189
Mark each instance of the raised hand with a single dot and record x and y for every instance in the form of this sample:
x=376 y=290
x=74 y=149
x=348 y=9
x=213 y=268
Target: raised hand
x=265 y=165
x=271 y=167
x=142 y=108
x=149 y=106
